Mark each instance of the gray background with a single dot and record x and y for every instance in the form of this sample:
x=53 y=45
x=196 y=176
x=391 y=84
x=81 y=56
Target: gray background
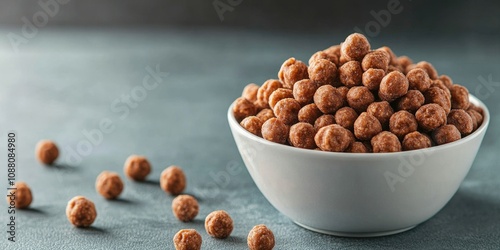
x=64 y=80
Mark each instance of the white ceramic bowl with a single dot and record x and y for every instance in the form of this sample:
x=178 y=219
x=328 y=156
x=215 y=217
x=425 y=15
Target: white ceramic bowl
x=358 y=195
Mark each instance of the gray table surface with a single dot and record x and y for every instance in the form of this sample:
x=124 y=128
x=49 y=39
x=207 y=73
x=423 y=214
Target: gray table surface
x=62 y=82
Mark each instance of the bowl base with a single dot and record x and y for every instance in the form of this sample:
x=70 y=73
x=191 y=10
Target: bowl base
x=355 y=234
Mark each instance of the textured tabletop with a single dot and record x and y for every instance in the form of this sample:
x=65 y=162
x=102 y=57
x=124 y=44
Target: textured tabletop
x=64 y=84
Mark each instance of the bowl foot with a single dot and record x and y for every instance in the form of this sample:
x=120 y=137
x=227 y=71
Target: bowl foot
x=355 y=234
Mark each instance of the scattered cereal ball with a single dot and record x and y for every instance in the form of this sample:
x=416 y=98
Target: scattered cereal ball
x=418 y=79
x=333 y=138
x=477 y=118
x=46 y=151
x=346 y=117
x=355 y=46
x=81 y=211
x=382 y=111
x=459 y=97
x=22 y=196
x=412 y=101
x=243 y=108
x=291 y=72
x=359 y=98
x=350 y=73
x=372 y=77
x=402 y=123
x=431 y=71
x=446 y=134
x=109 y=184
x=302 y=135
x=323 y=121
x=187 y=239
x=323 y=72
x=378 y=59
x=404 y=61
x=416 y=140
x=385 y=142
x=303 y=91
x=185 y=207
x=358 y=147
x=440 y=84
x=137 y=167
x=219 y=224
x=430 y=116
x=366 y=126
x=173 y=180
x=275 y=130
x=250 y=92
x=265 y=114
x=287 y=110
x=309 y=113
x=252 y=124
x=260 y=238
x=446 y=80
x=279 y=95
x=266 y=90
x=461 y=120
x=393 y=59
x=438 y=96
x=324 y=55
x=328 y=99
x=393 y=86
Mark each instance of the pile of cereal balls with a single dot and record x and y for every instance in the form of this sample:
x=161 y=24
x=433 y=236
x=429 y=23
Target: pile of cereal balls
x=354 y=99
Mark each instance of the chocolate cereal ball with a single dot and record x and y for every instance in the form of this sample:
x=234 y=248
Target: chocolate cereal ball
x=416 y=140
x=431 y=71
x=378 y=59
x=22 y=197
x=309 y=113
x=412 y=101
x=404 y=61
x=461 y=120
x=359 y=98
x=265 y=91
x=328 y=99
x=81 y=211
x=173 y=180
x=382 y=111
x=372 y=77
x=355 y=47
x=418 y=79
x=477 y=118
x=438 y=96
x=187 y=239
x=243 y=108
x=219 y=224
x=275 y=130
x=459 y=97
x=402 y=123
x=291 y=72
x=137 y=167
x=323 y=121
x=343 y=90
x=358 y=147
x=323 y=72
x=393 y=86
x=303 y=91
x=302 y=135
x=109 y=184
x=287 y=110
x=333 y=50
x=366 y=126
x=324 y=55
x=346 y=117
x=333 y=138
x=185 y=207
x=439 y=84
x=265 y=114
x=393 y=59
x=430 y=116
x=350 y=73
x=385 y=142
x=260 y=238
x=46 y=152
x=446 y=134
x=446 y=80
x=250 y=92
x=279 y=95
x=252 y=124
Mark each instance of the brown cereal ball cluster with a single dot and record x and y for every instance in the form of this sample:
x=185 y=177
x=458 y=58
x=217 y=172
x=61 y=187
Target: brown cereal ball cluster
x=173 y=180
x=219 y=224
x=260 y=238
x=46 y=151
x=109 y=184
x=21 y=197
x=354 y=99
x=187 y=239
x=185 y=207
x=137 y=167
x=81 y=211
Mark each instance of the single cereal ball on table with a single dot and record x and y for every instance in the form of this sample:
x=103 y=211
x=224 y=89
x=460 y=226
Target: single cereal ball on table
x=292 y=71
x=402 y=123
x=382 y=111
x=46 y=151
x=412 y=101
x=260 y=238
x=275 y=130
x=323 y=121
x=323 y=72
x=418 y=79
x=393 y=86
x=358 y=147
x=371 y=78
x=416 y=140
x=355 y=47
x=438 y=96
x=219 y=224
x=366 y=126
x=266 y=90
x=393 y=59
x=334 y=138
x=173 y=180
x=185 y=207
x=328 y=99
x=346 y=117
x=302 y=135
x=385 y=142
x=81 y=211
x=243 y=108
x=309 y=113
x=287 y=110
x=430 y=116
x=265 y=114
x=359 y=98
x=459 y=97
x=252 y=124
x=377 y=59
x=187 y=239
x=303 y=91
x=109 y=185
x=279 y=95
x=461 y=120
x=137 y=167
x=324 y=55
x=446 y=134
x=350 y=73
x=431 y=71
x=22 y=198
x=250 y=92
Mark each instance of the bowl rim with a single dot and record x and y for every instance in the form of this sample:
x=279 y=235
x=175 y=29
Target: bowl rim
x=431 y=150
